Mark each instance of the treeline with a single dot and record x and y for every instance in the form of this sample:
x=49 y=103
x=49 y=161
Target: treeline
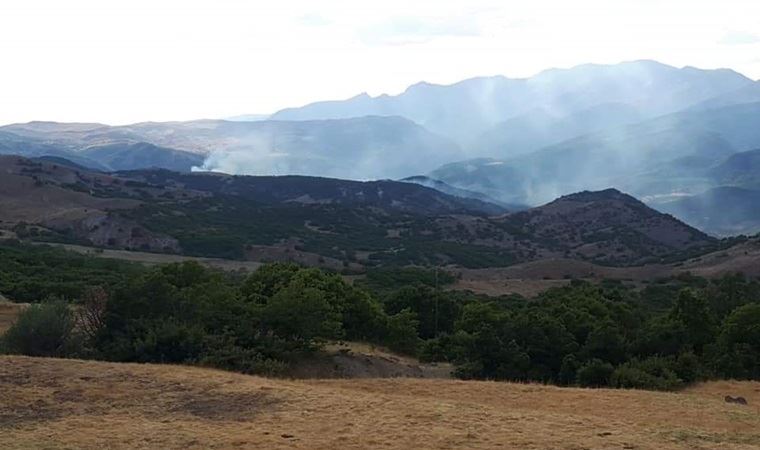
x=186 y=313
x=30 y=273
x=662 y=337
x=668 y=334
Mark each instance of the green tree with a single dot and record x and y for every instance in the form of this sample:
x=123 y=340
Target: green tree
x=694 y=313
x=738 y=351
x=436 y=311
x=302 y=314
x=595 y=373
x=46 y=329
x=606 y=343
x=402 y=332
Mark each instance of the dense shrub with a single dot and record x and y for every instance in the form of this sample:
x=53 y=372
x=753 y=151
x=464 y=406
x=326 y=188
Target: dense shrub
x=737 y=351
x=46 y=329
x=402 y=332
x=657 y=373
x=595 y=373
x=31 y=273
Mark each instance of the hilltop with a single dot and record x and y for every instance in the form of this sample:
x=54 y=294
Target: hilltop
x=92 y=405
x=609 y=227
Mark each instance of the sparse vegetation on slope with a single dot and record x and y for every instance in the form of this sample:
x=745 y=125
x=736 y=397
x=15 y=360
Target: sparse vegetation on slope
x=353 y=224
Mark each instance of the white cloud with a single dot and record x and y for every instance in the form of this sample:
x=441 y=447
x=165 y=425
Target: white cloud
x=130 y=60
x=739 y=38
x=416 y=30
x=314 y=19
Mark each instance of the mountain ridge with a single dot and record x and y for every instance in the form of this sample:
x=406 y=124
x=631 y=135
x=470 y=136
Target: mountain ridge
x=481 y=102
x=356 y=223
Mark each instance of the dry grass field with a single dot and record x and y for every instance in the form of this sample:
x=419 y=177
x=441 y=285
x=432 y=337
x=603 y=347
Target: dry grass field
x=8 y=313
x=68 y=404
x=159 y=258
x=532 y=278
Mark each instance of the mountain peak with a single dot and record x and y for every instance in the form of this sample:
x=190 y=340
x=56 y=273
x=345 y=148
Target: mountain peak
x=362 y=96
x=605 y=194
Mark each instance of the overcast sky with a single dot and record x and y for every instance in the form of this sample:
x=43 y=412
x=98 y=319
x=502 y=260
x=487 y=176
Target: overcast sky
x=135 y=60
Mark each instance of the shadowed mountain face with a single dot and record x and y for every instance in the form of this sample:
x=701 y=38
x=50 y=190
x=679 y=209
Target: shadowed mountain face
x=668 y=155
x=456 y=192
x=741 y=169
x=723 y=211
x=300 y=190
x=608 y=227
x=729 y=202
x=349 y=223
x=499 y=107
x=141 y=155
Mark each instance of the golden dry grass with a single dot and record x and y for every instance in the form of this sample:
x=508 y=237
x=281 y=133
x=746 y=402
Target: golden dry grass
x=66 y=404
x=8 y=313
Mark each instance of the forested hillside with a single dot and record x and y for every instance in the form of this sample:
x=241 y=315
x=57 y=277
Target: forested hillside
x=671 y=333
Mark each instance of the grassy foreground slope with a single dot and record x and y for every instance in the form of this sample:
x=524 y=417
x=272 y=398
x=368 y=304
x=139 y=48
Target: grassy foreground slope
x=52 y=403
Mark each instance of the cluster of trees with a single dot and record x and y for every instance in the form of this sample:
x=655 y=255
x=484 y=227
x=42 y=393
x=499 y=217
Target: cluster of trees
x=186 y=313
x=30 y=273
x=669 y=334
x=662 y=337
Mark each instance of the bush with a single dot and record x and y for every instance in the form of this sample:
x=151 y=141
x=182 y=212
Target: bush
x=688 y=367
x=657 y=373
x=302 y=314
x=436 y=349
x=169 y=341
x=627 y=377
x=569 y=370
x=595 y=373
x=46 y=329
x=402 y=332
x=224 y=353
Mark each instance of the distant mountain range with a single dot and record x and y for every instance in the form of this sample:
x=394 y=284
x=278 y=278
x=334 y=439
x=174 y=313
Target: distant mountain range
x=659 y=156
x=671 y=136
x=492 y=112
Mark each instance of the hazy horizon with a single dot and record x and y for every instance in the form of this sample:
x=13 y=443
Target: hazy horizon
x=264 y=114
x=127 y=62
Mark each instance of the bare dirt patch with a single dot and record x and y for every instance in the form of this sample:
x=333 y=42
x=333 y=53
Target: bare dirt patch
x=358 y=360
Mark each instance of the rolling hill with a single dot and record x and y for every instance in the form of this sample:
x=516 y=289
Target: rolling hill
x=57 y=403
x=607 y=227
x=140 y=155
x=356 y=148
x=292 y=217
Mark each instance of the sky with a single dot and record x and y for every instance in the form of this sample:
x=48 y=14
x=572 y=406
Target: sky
x=117 y=62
